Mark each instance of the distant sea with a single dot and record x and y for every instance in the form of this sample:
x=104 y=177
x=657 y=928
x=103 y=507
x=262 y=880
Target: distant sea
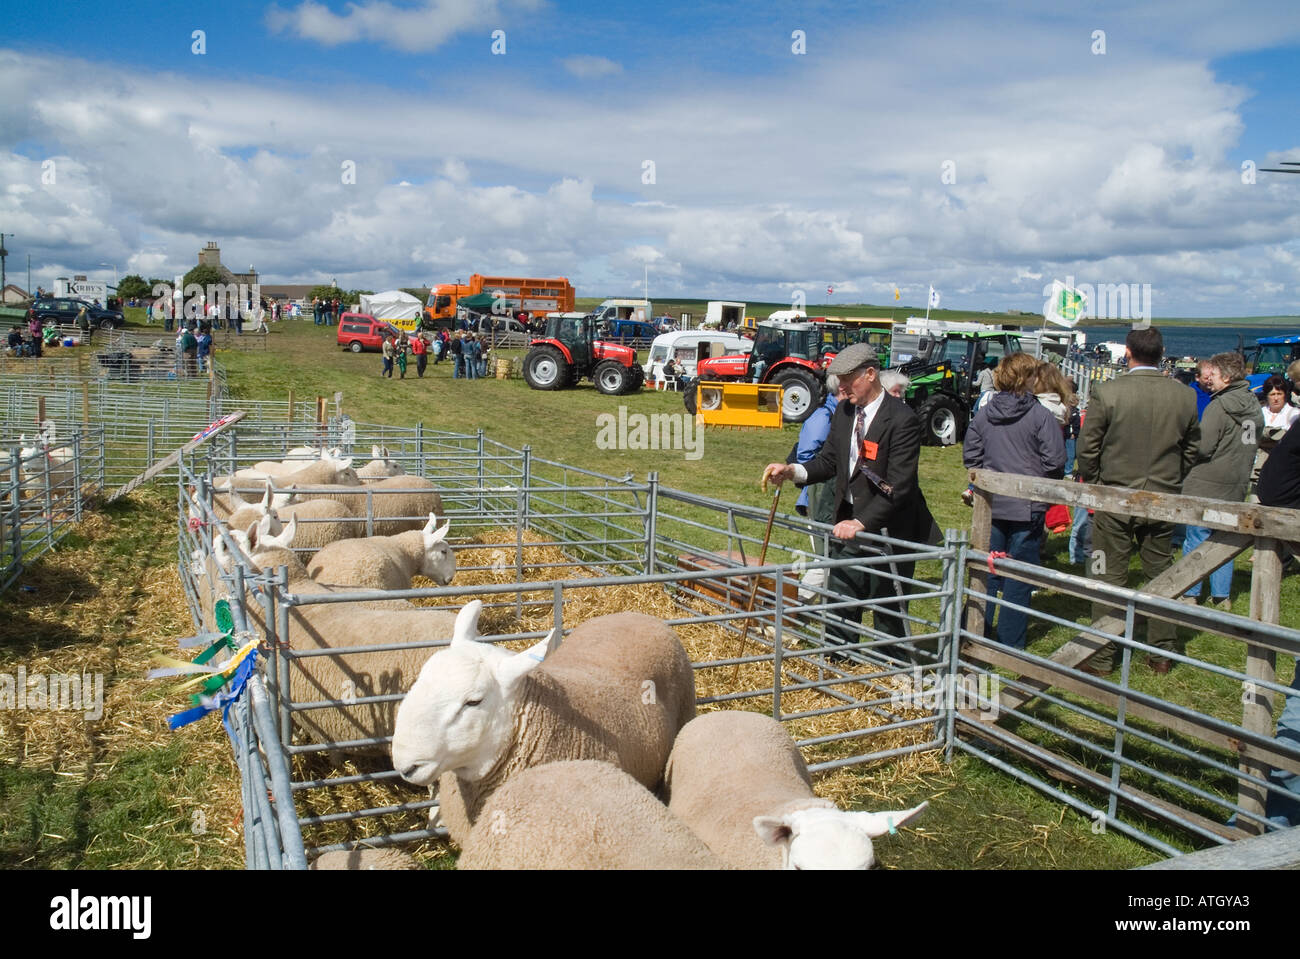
x=1197 y=341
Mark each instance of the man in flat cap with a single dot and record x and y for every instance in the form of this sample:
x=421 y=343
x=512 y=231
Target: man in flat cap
x=872 y=453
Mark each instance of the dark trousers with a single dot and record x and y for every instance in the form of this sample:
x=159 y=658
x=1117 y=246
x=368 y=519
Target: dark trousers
x=388 y=367
x=421 y=363
x=862 y=582
x=1112 y=546
x=1020 y=541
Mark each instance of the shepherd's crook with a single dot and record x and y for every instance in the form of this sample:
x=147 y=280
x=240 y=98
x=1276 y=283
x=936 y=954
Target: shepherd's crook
x=753 y=590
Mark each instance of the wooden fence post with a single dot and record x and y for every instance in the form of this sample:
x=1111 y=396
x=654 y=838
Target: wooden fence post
x=1257 y=703
x=981 y=529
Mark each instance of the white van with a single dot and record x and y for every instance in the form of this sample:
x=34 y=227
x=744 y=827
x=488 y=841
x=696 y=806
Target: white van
x=612 y=310
x=687 y=348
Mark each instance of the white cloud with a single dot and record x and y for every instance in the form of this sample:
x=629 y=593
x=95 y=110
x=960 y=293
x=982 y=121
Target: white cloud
x=587 y=67
x=1112 y=169
x=416 y=29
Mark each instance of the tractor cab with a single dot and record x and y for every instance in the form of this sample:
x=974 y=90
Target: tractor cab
x=576 y=332
x=1271 y=355
x=943 y=370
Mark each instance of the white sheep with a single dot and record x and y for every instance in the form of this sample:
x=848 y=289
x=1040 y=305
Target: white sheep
x=393 y=512
x=364 y=859
x=740 y=783
x=329 y=626
x=321 y=522
x=43 y=466
x=316 y=473
x=580 y=815
x=618 y=689
x=380 y=467
x=386 y=562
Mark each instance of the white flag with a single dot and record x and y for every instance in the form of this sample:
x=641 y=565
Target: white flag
x=934 y=298
x=1065 y=306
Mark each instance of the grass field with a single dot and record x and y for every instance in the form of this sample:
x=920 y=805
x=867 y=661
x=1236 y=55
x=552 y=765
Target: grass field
x=126 y=792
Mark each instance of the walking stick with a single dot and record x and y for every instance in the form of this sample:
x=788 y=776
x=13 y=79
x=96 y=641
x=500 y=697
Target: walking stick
x=753 y=590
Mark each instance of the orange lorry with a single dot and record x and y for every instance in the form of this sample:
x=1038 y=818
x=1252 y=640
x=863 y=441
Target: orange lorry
x=529 y=294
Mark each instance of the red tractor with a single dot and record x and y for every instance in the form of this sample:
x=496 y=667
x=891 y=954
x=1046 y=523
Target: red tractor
x=790 y=355
x=568 y=351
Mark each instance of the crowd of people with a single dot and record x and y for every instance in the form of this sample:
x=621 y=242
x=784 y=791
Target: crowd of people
x=857 y=460
x=469 y=353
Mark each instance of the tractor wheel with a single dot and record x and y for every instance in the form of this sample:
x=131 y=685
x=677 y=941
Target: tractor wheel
x=711 y=398
x=612 y=378
x=687 y=386
x=802 y=393
x=942 y=420
x=638 y=378
x=546 y=369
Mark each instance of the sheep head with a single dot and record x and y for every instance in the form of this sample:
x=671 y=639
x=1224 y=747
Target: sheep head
x=827 y=838
x=459 y=715
x=439 y=562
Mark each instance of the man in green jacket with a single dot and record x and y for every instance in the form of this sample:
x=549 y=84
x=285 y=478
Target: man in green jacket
x=1230 y=431
x=1140 y=432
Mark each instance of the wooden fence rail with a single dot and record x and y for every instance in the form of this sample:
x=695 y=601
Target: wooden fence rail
x=1236 y=527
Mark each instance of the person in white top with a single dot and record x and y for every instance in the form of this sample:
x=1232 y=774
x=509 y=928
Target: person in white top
x=1278 y=413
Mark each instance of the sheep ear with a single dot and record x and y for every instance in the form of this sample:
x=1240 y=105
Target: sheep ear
x=539 y=650
x=511 y=670
x=878 y=823
x=251 y=534
x=467 y=623
x=284 y=537
x=434 y=536
x=773 y=830
x=343 y=464
x=266 y=497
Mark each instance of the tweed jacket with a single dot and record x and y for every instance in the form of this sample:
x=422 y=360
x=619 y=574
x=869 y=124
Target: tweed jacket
x=1141 y=432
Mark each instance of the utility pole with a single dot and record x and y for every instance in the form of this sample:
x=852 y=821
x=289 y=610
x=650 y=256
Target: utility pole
x=3 y=253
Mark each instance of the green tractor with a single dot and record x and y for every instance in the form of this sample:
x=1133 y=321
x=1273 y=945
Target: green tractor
x=943 y=371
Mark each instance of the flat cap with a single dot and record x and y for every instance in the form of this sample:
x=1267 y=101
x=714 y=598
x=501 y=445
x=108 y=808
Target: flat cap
x=853 y=358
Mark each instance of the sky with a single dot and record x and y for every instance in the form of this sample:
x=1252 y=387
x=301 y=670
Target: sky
x=744 y=151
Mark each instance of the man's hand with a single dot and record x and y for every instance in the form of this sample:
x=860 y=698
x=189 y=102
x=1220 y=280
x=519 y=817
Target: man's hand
x=847 y=529
x=777 y=473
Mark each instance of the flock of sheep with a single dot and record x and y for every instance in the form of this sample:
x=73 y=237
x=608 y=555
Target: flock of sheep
x=584 y=752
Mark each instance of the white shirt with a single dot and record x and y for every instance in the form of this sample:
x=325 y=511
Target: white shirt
x=1283 y=417
x=871 y=409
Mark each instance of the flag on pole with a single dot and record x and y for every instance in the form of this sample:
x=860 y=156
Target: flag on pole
x=934 y=298
x=830 y=290
x=896 y=293
x=1065 y=306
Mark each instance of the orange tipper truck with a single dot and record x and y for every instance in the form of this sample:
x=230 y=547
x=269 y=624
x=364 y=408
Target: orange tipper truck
x=536 y=296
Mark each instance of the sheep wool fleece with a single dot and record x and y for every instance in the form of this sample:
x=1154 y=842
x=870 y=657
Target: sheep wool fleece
x=580 y=815
x=617 y=689
x=728 y=767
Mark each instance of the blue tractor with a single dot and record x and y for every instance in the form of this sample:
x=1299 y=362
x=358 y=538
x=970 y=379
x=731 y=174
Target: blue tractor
x=1270 y=355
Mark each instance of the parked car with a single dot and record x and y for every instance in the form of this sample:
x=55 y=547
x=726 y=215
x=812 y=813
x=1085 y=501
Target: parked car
x=500 y=324
x=64 y=310
x=361 y=331
x=629 y=329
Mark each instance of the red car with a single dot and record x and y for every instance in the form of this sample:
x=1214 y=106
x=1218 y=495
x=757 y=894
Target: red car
x=361 y=331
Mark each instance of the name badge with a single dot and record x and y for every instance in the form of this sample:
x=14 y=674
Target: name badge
x=869 y=450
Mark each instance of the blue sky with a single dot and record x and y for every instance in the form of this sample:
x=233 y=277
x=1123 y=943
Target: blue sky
x=986 y=149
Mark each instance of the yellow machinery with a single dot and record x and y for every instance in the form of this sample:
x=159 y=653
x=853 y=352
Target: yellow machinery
x=739 y=404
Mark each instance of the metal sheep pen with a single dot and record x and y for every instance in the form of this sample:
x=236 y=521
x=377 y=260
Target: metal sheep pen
x=542 y=542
